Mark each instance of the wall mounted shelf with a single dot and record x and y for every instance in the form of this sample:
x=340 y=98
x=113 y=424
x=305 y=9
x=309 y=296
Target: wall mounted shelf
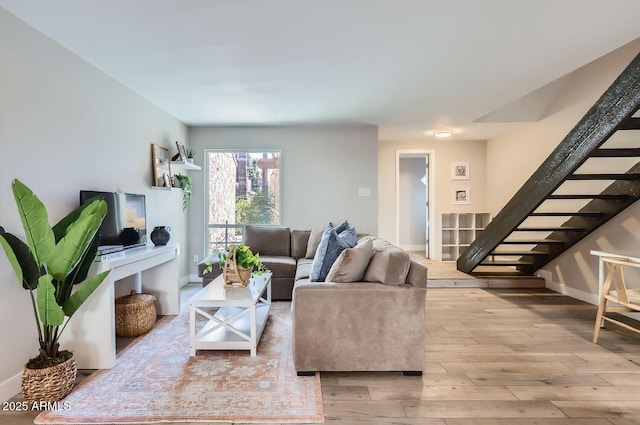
x=185 y=165
x=165 y=188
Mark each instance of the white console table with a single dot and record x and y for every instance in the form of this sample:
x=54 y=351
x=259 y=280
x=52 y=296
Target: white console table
x=90 y=334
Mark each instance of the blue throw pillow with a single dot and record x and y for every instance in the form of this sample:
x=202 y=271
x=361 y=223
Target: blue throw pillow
x=349 y=236
x=341 y=227
x=330 y=247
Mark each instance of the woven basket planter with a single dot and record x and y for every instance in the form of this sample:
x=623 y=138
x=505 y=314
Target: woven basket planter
x=49 y=384
x=232 y=274
x=135 y=314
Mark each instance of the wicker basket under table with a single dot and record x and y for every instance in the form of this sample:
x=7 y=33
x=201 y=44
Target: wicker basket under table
x=135 y=314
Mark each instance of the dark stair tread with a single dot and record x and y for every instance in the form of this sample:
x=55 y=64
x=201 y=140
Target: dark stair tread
x=550 y=229
x=486 y=262
x=604 y=176
x=519 y=253
x=567 y=214
x=594 y=196
x=532 y=241
x=630 y=124
x=498 y=274
x=616 y=153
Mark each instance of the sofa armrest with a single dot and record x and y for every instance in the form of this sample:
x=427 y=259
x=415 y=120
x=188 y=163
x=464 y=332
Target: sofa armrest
x=358 y=326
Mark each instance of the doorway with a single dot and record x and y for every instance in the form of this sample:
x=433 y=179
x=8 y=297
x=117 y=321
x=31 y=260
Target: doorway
x=414 y=186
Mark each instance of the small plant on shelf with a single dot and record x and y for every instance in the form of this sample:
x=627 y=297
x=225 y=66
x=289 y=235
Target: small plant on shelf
x=191 y=153
x=184 y=182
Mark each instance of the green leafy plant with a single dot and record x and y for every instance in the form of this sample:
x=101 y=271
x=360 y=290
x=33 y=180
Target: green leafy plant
x=245 y=259
x=53 y=260
x=184 y=183
x=191 y=153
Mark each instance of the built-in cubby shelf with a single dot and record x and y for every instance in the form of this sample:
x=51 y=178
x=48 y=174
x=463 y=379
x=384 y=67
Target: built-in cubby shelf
x=458 y=231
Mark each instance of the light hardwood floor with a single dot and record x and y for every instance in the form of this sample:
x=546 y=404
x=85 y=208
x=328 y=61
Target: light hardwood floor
x=495 y=356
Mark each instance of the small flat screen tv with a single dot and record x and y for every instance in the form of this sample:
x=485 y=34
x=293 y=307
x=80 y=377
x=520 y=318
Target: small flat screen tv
x=125 y=223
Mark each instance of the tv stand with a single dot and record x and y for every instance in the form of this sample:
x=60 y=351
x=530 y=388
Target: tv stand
x=91 y=333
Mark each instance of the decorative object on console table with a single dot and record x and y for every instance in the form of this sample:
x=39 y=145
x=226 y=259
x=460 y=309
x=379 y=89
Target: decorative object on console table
x=130 y=236
x=55 y=259
x=161 y=166
x=161 y=235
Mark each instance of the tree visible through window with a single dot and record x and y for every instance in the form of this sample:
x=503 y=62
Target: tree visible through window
x=242 y=188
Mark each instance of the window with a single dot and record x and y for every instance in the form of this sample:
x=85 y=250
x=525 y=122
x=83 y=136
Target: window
x=243 y=187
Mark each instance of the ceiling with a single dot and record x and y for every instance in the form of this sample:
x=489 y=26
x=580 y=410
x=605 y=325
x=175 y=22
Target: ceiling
x=407 y=66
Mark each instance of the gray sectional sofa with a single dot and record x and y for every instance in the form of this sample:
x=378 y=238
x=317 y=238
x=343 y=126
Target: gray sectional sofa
x=376 y=323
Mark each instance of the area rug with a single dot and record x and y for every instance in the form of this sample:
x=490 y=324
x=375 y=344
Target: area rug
x=156 y=381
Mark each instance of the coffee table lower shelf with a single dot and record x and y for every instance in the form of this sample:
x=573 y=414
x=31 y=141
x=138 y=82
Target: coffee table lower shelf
x=224 y=332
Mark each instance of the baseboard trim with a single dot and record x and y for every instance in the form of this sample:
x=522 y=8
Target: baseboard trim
x=421 y=248
x=578 y=294
x=567 y=290
x=191 y=278
x=10 y=387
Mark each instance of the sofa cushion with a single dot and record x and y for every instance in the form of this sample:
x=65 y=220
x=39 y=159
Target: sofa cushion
x=351 y=263
x=268 y=240
x=388 y=266
x=314 y=241
x=304 y=268
x=299 y=242
x=279 y=266
x=331 y=245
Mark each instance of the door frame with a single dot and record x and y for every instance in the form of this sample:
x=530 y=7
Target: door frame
x=418 y=153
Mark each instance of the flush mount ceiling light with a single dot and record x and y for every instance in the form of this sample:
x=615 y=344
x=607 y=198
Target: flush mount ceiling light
x=443 y=133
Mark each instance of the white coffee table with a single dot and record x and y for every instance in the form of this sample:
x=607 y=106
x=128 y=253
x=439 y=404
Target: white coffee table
x=239 y=318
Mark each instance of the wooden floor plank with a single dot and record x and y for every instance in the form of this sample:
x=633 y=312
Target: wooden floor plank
x=576 y=392
x=441 y=392
x=600 y=409
x=483 y=409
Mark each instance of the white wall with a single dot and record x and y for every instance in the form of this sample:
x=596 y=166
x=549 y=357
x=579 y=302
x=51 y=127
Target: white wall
x=444 y=153
x=511 y=160
x=322 y=169
x=413 y=204
x=66 y=126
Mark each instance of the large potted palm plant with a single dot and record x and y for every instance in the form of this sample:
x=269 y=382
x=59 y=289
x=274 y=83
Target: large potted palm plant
x=48 y=265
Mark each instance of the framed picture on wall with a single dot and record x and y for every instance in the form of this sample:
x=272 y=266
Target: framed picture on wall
x=161 y=163
x=460 y=196
x=459 y=171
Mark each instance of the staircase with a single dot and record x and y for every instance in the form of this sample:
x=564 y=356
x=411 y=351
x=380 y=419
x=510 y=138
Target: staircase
x=589 y=178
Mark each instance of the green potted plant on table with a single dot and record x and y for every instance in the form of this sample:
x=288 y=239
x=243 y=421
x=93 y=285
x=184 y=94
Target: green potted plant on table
x=237 y=263
x=53 y=260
